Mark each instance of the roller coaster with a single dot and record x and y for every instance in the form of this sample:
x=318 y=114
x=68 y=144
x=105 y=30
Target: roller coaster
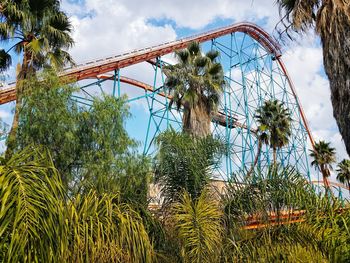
x=252 y=61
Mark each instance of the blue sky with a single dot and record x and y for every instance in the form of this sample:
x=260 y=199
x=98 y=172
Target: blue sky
x=109 y=27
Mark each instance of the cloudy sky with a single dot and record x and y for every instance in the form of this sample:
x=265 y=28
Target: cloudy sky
x=109 y=27
x=106 y=27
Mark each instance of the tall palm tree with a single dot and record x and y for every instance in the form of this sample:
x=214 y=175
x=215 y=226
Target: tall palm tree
x=344 y=172
x=323 y=155
x=274 y=127
x=40 y=32
x=331 y=19
x=195 y=84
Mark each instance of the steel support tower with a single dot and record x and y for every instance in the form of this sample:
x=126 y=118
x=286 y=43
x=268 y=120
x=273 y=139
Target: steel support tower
x=253 y=69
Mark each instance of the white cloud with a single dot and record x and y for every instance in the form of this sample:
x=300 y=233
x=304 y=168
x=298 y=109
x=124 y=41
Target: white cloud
x=305 y=65
x=109 y=27
x=4 y=114
x=104 y=28
x=198 y=14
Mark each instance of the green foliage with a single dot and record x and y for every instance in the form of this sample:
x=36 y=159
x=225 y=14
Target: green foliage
x=184 y=163
x=272 y=192
x=89 y=145
x=38 y=223
x=199 y=226
x=39 y=29
x=344 y=172
x=49 y=118
x=274 y=121
x=332 y=231
x=105 y=230
x=277 y=192
x=322 y=236
x=294 y=243
x=5 y=60
x=195 y=83
x=32 y=227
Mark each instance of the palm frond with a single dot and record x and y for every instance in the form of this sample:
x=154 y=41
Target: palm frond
x=200 y=62
x=183 y=56
x=212 y=55
x=32 y=215
x=215 y=69
x=343 y=171
x=5 y=60
x=104 y=230
x=194 y=48
x=183 y=163
x=199 y=226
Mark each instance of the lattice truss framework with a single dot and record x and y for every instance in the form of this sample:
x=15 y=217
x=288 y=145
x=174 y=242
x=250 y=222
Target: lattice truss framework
x=254 y=76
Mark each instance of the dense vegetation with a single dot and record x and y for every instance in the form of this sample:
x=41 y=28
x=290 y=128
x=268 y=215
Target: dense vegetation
x=73 y=187
x=78 y=192
x=40 y=32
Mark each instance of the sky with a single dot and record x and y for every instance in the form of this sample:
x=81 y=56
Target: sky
x=105 y=27
x=109 y=27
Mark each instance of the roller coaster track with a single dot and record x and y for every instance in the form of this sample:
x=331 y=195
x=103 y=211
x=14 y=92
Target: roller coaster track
x=285 y=218
x=94 y=69
x=217 y=117
x=101 y=67
x=254 y=222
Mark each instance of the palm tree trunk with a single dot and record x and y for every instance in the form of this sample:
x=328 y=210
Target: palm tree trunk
x=196 y=121
x=336 y=55
x=22 y=74
x=325 y=174
x=11 y=140
x=256 y=157
x=328 y=188
x=274 y=156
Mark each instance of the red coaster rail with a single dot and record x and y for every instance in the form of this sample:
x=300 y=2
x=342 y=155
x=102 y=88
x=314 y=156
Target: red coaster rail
x=94 y=69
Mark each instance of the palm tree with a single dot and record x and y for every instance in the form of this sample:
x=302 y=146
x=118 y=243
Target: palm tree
x=331 y=19
x=344 y=172
x=195 y=84
x=263 y=138
x=199 y=227
x=274 y=129
x=323 y=155
x=41 y=33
